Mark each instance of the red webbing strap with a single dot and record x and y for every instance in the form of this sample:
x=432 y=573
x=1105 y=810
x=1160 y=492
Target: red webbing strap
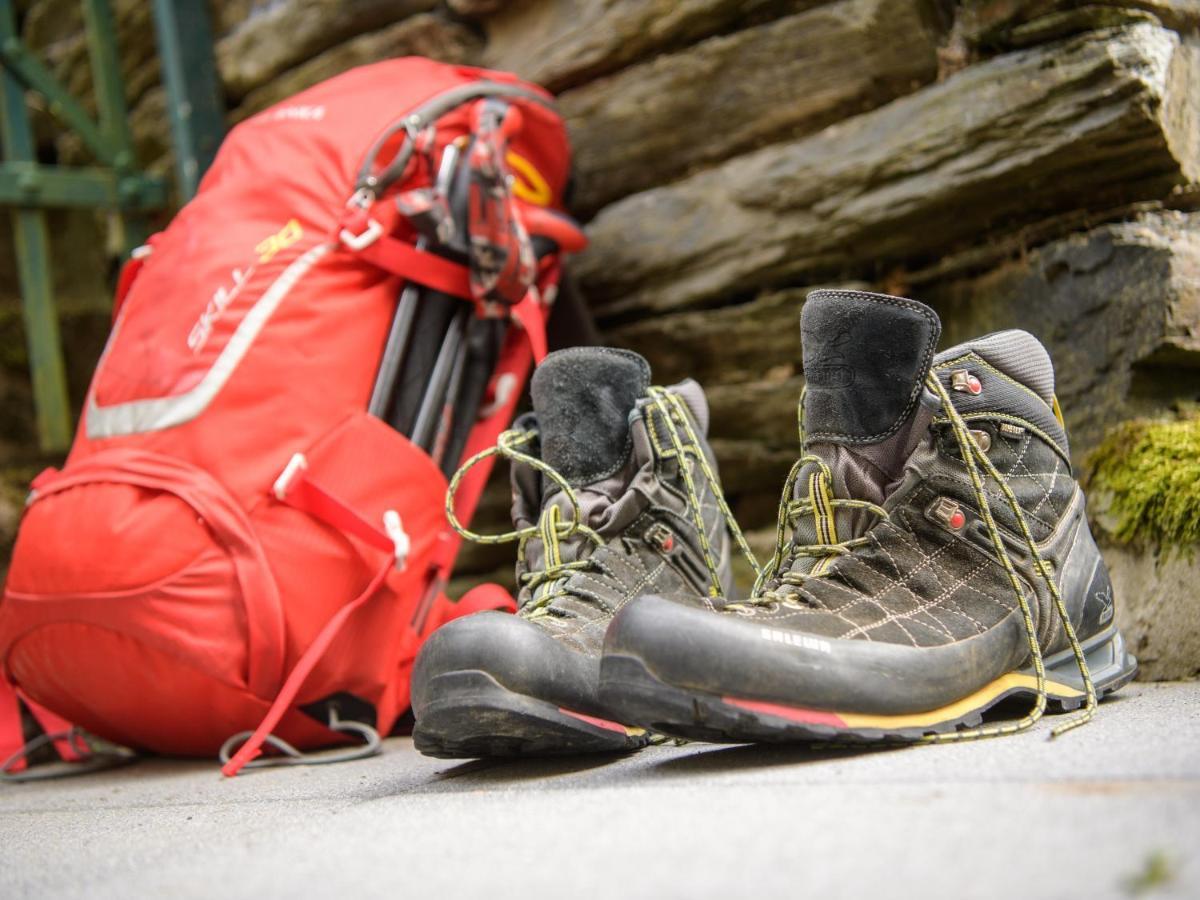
x=308 y=497
x=368 y=234
x=12 y=734
x=296 y=678
x=53 y=723
x=541 y=221
x=296 y=490
x=56 y=729
x=531 y=316
x=403 y=259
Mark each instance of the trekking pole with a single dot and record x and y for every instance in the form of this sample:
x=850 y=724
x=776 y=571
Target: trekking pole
x=449 y=359
x=447 y=415
x=433 y=325
x=461 y=411
x=406 y=308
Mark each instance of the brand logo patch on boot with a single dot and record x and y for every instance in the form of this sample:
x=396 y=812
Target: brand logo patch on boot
x=830 y=371
x=795 y=639
x=833 y=376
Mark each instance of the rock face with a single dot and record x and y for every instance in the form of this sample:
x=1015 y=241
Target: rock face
x=1158 y=609
x=1098 y=118
x=565 y=42
x=276 y=36
x=1014 y=163
x=648 y=124
x=1117 y=306
x=420 y=35
x=1016 y=23
x=54 y=29
x=732 y=344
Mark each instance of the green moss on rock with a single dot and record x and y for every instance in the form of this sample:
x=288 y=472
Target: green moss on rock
x=1145 y=479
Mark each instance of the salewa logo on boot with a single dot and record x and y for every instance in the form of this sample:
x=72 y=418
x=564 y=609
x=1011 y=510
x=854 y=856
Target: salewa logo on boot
x=933 y=557
x=1104 y=600
x=795 y=640
x=831 y=371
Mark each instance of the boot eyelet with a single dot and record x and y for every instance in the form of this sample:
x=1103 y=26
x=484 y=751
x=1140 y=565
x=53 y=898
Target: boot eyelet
x=964 y=382
x=947 y=513
x=982 y=438
x=660 y=537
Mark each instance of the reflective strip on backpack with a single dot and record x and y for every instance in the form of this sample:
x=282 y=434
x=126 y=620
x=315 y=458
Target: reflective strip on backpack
x=140 y=416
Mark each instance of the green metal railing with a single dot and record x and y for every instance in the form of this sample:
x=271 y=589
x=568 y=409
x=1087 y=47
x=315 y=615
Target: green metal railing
x=114 y=183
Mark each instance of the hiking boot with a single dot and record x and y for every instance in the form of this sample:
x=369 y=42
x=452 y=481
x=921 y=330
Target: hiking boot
x=615 y=495
x=933 y=557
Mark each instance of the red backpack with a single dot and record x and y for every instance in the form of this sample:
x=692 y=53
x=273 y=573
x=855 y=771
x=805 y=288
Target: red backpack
x=236 y=548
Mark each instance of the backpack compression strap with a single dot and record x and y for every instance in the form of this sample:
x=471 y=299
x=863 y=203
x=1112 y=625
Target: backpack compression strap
x=296 y=489
x=363 y=233
x=296 y=678
x=252 y=748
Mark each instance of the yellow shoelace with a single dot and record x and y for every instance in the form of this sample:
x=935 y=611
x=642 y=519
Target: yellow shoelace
x=551 y=529
x=974 y=457
x=822 y=505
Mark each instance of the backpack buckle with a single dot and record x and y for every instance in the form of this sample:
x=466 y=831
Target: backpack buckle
x=283 y=484
x=394 y=528
x=360 y=202
x=365 y=238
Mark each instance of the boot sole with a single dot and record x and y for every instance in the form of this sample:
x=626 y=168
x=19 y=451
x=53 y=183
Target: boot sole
x=475 y=717
x=628 y=685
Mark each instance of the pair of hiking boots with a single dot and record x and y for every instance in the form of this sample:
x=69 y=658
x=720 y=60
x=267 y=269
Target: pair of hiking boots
x=933 y=558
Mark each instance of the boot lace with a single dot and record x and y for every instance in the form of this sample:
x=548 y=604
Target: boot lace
x=975 y=459
x=776 y=582
x=549 y=582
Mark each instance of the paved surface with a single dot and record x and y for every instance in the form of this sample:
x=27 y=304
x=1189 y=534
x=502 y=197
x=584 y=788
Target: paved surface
x=1108 y=811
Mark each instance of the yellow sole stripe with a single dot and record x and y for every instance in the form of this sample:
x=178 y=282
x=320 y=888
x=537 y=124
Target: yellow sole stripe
x=982 y=697
x=952 y=712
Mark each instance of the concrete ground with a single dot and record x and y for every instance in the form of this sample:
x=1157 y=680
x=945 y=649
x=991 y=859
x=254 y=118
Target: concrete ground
x=1111 y=810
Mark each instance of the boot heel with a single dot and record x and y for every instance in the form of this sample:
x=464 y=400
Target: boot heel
x=1111 y=665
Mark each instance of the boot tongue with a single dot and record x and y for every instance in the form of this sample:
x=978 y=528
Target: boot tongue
x=865 y=361
x=583 y=398
x=866 y=357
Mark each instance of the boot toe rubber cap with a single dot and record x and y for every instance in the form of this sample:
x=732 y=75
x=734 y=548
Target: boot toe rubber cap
x=694 y=648
x=517 y=654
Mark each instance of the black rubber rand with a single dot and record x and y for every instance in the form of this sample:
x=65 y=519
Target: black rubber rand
x=628 y=685
x=474 y=717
